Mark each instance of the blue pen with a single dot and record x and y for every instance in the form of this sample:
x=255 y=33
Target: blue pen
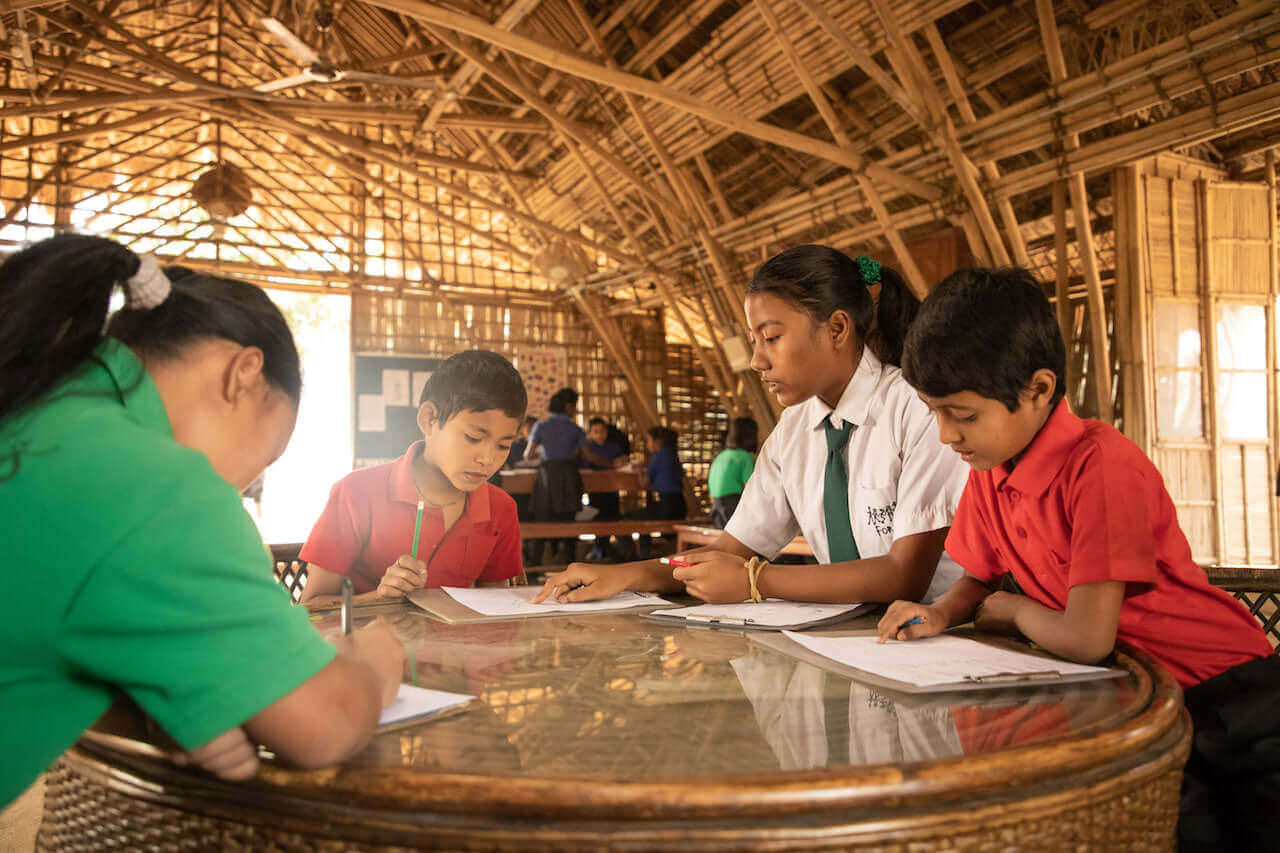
x=914 y=620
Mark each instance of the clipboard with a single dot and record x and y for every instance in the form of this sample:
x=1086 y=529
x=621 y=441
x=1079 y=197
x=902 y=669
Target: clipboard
x=1048 y=677
x=745 y=623
x=439 y=605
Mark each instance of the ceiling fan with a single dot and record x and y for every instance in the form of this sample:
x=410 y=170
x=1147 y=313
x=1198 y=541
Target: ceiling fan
x=318 y=69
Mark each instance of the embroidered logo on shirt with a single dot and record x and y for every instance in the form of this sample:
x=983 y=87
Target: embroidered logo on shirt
x=880 y=518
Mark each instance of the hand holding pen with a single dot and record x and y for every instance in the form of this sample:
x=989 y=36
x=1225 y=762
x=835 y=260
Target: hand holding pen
x=910 y=620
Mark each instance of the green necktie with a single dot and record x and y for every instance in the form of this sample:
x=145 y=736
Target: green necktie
x=835 y=496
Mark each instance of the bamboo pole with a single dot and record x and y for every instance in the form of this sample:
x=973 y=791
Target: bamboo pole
x=1209 y=345
x=1273 y=292
x=915 y=279
x=611 y=336
x=556 y=58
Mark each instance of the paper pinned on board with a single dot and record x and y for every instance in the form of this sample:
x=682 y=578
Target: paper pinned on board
x=371 y=413
x=395 y=387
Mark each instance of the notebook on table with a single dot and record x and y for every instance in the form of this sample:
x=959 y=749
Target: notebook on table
x=769 y=615
x=491 y=604
x=414 y=705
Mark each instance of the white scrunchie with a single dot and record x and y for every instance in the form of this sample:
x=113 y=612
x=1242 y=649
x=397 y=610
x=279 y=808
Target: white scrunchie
x=148 y=287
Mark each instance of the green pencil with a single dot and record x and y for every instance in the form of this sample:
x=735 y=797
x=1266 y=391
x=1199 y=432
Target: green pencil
x=413 y=670
x=417 y=529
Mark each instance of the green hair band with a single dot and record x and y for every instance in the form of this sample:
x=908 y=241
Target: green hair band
x=870 y=270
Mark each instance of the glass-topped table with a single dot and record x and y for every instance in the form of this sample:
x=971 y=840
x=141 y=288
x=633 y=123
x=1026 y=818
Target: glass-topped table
x=612 y=730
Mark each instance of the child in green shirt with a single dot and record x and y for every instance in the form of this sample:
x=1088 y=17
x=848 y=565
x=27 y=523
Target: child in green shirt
x=124 y=446
x=731 y=469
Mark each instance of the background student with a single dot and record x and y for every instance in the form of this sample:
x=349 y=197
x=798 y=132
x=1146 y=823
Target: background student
x=663 y=476
x=731 y=469
x=122 y=459
x=1082 y=521
x=467 y=531
x=602 y=448
x=854 y=463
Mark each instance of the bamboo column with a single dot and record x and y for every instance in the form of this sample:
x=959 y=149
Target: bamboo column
x=611 y=336
x=1273 y=415
x=1209 y=346
x=1100 y=351
x=1062 y=292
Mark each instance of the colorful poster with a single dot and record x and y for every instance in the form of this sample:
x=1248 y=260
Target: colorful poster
x=544 y=371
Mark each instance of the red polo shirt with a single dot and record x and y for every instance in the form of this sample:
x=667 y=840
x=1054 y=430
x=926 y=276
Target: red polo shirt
x=1084 y=505
x=368 y=525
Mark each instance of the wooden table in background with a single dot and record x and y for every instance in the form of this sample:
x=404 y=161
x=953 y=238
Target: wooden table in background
x=696 y=536
x=612 y=730
x=519 y=481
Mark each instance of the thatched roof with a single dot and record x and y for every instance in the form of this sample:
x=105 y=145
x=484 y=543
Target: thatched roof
x=651 y=148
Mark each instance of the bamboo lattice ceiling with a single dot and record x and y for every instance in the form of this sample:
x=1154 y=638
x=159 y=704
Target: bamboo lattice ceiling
x=452 y=148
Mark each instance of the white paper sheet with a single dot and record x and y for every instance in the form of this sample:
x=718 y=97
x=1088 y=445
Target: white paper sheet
x=395 y=387
x=771 y=612
x=514 y=601
x=420 y=378
x=934 y=660
x=413 y=701
x=371 y=413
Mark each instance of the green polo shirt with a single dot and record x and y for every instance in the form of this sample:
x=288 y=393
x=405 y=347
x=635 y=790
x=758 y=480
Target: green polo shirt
x=129 y=567
x=729 y=472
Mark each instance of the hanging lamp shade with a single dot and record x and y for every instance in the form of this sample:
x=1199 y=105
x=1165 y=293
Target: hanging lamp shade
x=559 y=264
x=224 y=191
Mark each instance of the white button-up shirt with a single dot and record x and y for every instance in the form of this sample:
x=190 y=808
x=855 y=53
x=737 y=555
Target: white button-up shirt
x=902 y=479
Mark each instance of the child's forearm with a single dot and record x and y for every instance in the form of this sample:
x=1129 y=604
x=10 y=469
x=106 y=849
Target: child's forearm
x=959 y=603
x=1058 y=632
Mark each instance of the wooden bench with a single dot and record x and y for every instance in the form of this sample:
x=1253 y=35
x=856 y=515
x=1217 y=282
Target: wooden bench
x=1257 y=589
x=696 y=536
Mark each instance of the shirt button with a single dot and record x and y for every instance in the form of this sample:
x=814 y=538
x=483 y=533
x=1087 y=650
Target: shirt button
x=1022 y=532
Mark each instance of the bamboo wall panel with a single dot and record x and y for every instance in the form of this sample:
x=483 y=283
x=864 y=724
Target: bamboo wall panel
x=1188 y=477
x=1241 y=238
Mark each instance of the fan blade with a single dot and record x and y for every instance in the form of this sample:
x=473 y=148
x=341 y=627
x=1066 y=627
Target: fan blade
x=285 y=83
x=300 y=50
x=412 y=82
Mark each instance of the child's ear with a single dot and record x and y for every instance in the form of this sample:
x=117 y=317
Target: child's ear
x=1040 y=390
x=428 y=418
x=840 y=326
x=243 y=374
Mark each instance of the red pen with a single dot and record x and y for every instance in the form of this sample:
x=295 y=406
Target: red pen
x=672 y=561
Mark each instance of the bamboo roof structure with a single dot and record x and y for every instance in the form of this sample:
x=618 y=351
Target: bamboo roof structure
x=622 y=153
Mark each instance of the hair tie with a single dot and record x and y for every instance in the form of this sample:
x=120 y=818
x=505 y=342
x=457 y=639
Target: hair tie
x=869 y=269
x=148 y=287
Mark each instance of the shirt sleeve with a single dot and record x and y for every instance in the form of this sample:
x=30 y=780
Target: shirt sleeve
x=932 y=477
x=1111 y=534
x=505 y=559
x=535 y=434
x=183 y=614
x=764 y=520
x=968 y=542
x=337 y=539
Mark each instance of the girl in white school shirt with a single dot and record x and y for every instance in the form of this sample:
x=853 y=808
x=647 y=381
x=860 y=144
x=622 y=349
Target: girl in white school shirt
x=829 y=351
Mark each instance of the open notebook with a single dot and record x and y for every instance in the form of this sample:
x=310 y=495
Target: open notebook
x=934 y=664
x=489 y=604
x=769 y=615
x=414 y=705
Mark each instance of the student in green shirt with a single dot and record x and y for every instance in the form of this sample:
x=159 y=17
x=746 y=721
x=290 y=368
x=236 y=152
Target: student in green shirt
x=131 y=567
x=731 y=469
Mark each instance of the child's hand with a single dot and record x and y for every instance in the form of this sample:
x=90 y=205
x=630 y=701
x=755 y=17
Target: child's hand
x=378 y=646
x=998 y=611
x=582 y=582
x=404 y=577
x=231 y=755
x=893 y=625
x=717 y=577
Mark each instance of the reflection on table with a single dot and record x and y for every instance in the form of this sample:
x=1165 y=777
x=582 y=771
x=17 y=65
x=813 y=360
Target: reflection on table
x=592 y=725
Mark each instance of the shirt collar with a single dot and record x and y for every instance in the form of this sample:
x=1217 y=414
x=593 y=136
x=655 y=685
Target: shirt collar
x=400 y=487
x=133 y=385
x=855 y=402
x=1045 y=455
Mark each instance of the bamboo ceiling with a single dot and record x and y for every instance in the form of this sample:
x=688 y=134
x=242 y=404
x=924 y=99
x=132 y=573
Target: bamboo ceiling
x=453 y=149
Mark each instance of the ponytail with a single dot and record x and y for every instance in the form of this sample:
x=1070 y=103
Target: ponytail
x=54 y=302
x=821 y=280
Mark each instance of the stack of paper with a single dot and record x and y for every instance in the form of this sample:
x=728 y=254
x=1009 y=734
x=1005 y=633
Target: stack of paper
x=514 y=601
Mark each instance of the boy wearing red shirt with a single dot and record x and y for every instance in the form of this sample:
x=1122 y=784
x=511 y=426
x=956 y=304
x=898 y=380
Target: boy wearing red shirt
x=470 y=413
x=1081 y=519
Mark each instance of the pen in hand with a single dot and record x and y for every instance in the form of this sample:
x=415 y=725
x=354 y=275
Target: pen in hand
x=347 y=589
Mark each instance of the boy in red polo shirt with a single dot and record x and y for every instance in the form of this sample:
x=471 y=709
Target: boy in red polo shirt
x=1081 y=520
x=470 y=413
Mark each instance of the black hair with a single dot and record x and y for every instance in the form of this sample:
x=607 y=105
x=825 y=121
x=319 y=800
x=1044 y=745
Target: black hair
x=475 y=381
x=562 y=400
x=743 y=434
x=669 y=438
x=619 y=438
x=822 y=281
x=986 y=331
x=598 y=420
x=54 y=300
